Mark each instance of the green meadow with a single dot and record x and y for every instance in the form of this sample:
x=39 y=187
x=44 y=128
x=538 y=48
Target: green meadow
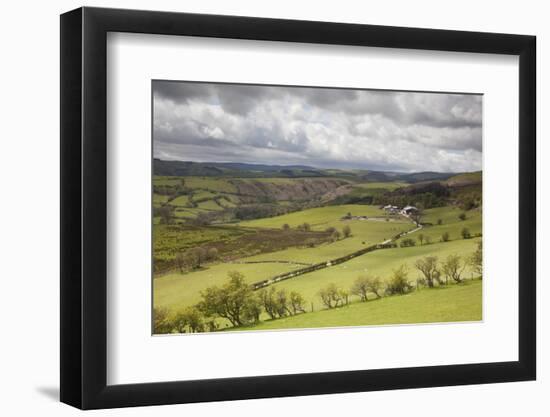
x=208 y=228
x=456 y=303
x=319 y=218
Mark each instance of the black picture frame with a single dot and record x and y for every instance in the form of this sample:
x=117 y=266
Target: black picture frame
x=84 y=207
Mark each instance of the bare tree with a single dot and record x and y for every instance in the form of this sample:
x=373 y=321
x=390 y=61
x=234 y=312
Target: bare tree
x=181 y=262
x=453 y=267
x=417 y=216
x=331 y=296
x=297 y=303
x=197 y=256
x=374 y=286
x=365 y=285
x=281 y=300
x=267 y=297
x=166 y=215
x=428 y=267
x=476 y=260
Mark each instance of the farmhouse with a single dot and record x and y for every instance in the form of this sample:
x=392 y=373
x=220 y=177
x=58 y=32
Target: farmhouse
x=408 y=210
x=391 y=209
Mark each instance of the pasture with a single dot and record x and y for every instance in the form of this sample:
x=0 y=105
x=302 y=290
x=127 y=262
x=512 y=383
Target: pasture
x=378 y=263
x=319 y=218
x=266 y=247
x=451 y=223
x=176 y=291
x=454 y=303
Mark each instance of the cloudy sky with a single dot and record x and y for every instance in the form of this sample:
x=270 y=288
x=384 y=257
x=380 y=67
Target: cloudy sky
x=320 y=127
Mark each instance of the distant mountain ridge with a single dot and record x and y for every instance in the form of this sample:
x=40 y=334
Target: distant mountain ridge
x=247 y=170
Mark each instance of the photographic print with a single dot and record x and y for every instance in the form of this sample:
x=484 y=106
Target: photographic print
x=290 y=207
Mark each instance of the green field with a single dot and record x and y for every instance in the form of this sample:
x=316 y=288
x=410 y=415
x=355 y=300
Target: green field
x=380 y=263
x=182 y=200
x=454 y=303
x=451 y=223
x=382 y=185
x=319 y=218
x=204 y=216
x=209 y=205
x=177 y=291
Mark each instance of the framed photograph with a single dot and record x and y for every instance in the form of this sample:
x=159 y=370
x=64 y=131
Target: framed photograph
x=257 y=208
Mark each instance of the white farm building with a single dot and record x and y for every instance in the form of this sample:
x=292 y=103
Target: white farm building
x=408 y=210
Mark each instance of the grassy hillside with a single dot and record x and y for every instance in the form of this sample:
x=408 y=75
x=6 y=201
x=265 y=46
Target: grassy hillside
x=451 y=223
x=452 y=303
x=380 y=263
x=318 y=218
x=179 y=288
x=264 y=221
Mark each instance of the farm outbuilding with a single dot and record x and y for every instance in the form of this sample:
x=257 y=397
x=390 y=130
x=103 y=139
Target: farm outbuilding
x=391 y=209
x=408 y=210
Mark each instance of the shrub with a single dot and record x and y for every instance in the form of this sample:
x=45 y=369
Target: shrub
x=212 y=254
x=399 y=282
x=161 y=324
x=445 y=237
x=346 y=231
x=166 y=214
x=465 y=233
x=462 y=216
x=310 y=243
x=405 y=243
x=189 y=320
x=439 y=222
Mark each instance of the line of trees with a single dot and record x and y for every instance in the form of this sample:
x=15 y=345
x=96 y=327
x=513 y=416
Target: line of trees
x=449 y=270
x=432 y=273
x=194 y=258
x=334 y=233
x=236 y=301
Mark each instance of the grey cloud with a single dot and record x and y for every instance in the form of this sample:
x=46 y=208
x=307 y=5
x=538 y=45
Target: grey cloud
x=319 y=127
x=180 y=91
